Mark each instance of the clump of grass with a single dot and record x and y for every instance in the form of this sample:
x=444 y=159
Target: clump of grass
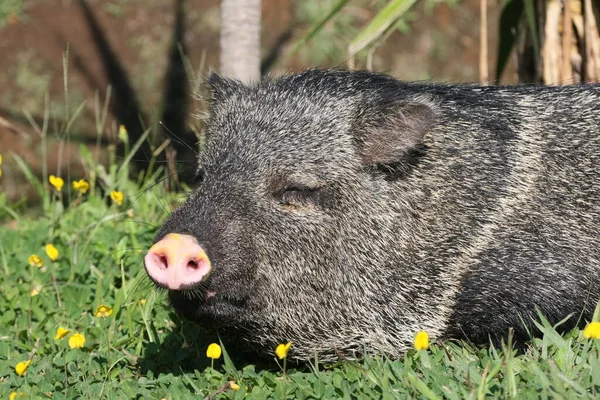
x=124 y=341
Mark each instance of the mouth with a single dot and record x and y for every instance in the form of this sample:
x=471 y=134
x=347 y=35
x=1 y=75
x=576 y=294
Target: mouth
x=209 y=307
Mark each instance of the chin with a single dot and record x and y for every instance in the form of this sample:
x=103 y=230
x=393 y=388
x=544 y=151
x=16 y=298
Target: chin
x=211 y=310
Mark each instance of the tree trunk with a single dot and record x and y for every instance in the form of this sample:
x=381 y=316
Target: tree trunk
x=240 y=39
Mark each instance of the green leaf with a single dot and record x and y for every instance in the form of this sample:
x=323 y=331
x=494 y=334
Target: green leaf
x=379 y=25
x=421 y=387
x=532 y=23
x=510 y=24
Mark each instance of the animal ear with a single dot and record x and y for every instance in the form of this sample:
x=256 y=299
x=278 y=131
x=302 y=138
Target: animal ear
x=219 y=88
x=388 y=134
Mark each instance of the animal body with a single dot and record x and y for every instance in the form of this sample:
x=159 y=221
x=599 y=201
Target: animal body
x=345 y=211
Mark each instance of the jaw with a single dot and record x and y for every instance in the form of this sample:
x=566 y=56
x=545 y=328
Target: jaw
x=211 y=310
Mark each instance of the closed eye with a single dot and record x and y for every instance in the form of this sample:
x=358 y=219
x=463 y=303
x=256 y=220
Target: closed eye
x=299 y=195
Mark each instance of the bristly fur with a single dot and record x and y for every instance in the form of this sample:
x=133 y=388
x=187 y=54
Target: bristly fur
x=345 y=211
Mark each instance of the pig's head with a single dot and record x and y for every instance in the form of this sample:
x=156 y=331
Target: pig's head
x=293 y=231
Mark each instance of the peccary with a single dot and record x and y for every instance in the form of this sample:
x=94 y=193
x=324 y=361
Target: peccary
x=345 y=211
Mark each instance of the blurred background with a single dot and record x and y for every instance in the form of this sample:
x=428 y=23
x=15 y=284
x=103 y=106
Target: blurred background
x=72 y=72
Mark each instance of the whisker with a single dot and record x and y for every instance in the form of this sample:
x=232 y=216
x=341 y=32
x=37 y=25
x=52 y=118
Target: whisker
x=179 y=140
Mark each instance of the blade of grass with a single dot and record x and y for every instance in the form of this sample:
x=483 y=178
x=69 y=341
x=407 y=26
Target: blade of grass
x=228 y=364
x=133 y=151
x=379 y=25
x=318 y=26
x=596 y=316
x=511 y=383
x=510 y=25
x=421 y=387
x=35 y=182
x=532 y=23
x=10 y=212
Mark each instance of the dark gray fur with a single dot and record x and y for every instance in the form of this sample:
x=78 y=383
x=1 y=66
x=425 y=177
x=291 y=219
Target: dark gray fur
x=344 y=211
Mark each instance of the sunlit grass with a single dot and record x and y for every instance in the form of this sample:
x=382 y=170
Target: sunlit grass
x=80 y=319
x=78 y=307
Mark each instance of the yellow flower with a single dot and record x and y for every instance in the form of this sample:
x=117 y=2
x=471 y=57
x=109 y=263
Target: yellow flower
x=21 y=367
x=592 y=330
x=233 y=385
x=143 y=301
x=35 y=261
x=103 y=311
x=52 y=252
x=282 y=350
x=14 y=395
x=117 y=197
x=81 y=186
x=57 y=182
x=62 y=333
x=421 y=340
x=34 y=292
x=213 y=351
x=123 y=136
x=76 y=341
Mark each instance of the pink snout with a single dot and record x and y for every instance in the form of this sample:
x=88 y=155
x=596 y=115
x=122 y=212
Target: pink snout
x=177 y=262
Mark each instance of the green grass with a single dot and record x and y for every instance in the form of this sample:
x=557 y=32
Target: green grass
x=143 y=350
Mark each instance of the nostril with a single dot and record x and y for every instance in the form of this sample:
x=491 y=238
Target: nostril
x=157 y=261
x=162 y=262
x=192 y=264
